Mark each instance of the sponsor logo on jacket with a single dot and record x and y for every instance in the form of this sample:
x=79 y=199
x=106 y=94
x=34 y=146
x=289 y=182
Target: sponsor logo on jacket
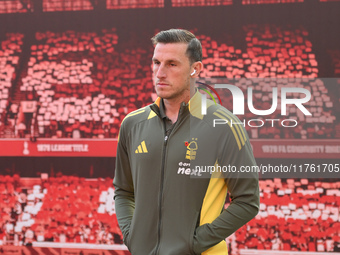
x=184 y=168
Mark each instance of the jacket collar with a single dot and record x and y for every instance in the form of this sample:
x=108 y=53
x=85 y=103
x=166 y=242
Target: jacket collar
x=194 y=105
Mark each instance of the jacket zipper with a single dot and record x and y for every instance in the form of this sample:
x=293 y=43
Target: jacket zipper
x=166 y=138
x=161 y=193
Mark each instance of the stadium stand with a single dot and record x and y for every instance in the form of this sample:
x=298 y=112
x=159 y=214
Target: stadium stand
x=59 y=5
x=274 y=57
x=61 y=209
x=10 y=51
x=91 y=89
x=85 y=83
x=126 y=4
x=306 y=219
x=272 y=51
x=15 y=6
x=270 y=1
x=74 y=209
x=335 y=56
x=20 y=6
x=182 y=3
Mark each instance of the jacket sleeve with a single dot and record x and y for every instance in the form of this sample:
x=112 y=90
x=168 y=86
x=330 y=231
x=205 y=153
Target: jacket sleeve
x=244 y=193
x=124 y=190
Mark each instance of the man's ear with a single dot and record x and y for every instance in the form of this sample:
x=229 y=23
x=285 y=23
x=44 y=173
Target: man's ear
x=196 y=68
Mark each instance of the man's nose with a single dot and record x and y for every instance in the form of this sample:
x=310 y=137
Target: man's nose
x=160 y=72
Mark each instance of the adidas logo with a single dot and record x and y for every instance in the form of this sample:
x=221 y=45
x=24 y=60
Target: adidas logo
x=141 y=148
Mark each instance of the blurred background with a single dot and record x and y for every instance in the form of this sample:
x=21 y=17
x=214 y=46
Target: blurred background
x=70 y=71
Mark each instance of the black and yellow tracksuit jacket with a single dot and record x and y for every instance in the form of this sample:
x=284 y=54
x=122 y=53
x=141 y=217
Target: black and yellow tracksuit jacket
x=166 y=202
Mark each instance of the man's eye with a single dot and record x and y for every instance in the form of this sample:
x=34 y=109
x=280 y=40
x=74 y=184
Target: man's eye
x=172 y=64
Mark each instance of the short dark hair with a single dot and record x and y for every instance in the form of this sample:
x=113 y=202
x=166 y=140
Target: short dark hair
x=194 y=50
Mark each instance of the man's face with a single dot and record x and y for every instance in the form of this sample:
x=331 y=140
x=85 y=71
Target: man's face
x=171 y=70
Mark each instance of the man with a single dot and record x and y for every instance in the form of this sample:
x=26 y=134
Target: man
x=166 y=201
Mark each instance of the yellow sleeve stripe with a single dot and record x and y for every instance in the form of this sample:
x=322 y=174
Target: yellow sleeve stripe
x=214 y=198
x=232 y=129
x=212 y=206
x=135 y=113
x=151 y=115
x=240 y=130
x=129 y=115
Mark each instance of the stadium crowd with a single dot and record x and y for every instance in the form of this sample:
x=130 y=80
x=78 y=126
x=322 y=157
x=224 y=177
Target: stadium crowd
x=79 y=210
x=61 y=209
x=295 y=215
x=83 y=84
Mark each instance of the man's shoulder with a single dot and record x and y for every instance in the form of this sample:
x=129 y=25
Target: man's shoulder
x=137 y=116
x=219 y=112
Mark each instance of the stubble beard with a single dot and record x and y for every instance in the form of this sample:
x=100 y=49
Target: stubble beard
x=181 y=93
